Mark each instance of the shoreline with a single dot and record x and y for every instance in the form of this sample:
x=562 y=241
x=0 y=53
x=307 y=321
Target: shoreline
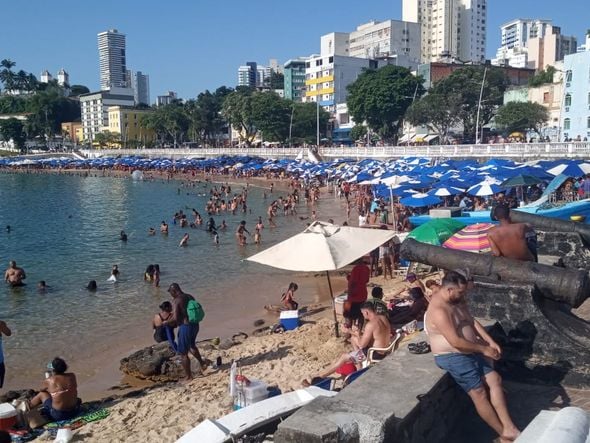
x=100 y=376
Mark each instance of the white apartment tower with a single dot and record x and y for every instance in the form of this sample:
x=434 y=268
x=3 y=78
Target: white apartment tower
x=112 y=60
x=451 y=29
x=389 y=38
x=46 y=77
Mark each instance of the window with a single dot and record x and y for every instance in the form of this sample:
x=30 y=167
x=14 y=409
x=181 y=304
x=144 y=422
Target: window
x=545 y=97
x=568 y=100
x=568 y=76
x=589 y=98
x=588 y=123
x=566 y=124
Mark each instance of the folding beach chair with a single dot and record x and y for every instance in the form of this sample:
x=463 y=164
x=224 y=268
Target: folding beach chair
x=384 y=351
x=352 y=377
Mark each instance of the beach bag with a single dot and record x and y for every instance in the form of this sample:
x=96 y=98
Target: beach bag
x=195 y=312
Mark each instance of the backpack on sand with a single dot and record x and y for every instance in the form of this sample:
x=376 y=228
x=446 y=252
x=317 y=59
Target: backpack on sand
x=195 y=312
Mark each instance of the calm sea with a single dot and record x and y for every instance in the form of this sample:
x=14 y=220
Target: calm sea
x=65 y=230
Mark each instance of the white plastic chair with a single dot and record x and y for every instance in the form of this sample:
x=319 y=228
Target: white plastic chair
x=383 y=351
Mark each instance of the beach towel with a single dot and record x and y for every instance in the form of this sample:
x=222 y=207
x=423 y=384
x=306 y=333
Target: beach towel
x=87 y=416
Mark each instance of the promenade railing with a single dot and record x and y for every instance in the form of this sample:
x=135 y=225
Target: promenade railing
x=517 y=151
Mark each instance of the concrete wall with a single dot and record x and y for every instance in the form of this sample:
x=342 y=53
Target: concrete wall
x=404 y=398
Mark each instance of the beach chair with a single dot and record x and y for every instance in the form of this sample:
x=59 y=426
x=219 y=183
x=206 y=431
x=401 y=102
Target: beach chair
x=352 y=377
x=327 y=384
x=386 y=351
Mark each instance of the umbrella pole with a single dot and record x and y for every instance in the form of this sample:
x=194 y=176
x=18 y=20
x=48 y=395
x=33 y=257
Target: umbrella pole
x=333 y=305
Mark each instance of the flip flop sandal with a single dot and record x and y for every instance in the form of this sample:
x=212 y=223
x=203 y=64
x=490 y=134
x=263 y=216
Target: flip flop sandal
x=419 y=348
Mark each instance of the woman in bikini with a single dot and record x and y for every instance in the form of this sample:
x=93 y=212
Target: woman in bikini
x=59 y=395
x=160 y=334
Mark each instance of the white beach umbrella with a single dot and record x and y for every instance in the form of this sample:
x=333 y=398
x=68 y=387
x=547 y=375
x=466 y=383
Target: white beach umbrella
x=323 y=247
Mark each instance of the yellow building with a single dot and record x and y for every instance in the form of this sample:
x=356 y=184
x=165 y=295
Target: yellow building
x=72 y=131
x=125 y=123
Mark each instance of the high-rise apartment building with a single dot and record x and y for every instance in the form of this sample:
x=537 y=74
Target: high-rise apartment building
x=46 y=77
x=532 y=43
x=248 y=74
x=112 y=60
x=451 y=29
x=385 y=39
x=294 y=83
x=141 y=88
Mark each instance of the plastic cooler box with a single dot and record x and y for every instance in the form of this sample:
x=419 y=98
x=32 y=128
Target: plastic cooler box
x=289 y=320
x=255 y=391
x=8 y=416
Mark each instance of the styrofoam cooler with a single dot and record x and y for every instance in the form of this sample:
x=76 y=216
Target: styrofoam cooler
x=289 y=319
x=255 y=391
x=8 y=414
x=339 y=304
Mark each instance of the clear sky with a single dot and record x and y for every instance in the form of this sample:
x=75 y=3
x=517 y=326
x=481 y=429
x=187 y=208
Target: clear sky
x=192 y=45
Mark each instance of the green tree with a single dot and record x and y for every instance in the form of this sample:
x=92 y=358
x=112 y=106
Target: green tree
x=271 y=115
x=464 y=86
x=10 y=104
x=237 y=109
x=276 y=80
x=206 y=120
x=107 y=139
x=522 y=117
x=13 y=129
x=304 y=128
x=48 y=110
x=437 y=112
x=542 y=77
x=76 y=90
x=381 y=97
x=7 y=77
x=358 y=132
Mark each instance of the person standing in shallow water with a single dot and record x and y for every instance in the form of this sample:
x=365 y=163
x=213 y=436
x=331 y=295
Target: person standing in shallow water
x=14 y=275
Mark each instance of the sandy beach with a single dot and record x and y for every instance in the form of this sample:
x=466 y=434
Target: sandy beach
x=164 y=413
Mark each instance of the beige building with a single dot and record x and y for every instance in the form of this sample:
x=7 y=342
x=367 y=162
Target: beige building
x=72 y=131
x=451 y=29
x=125 y=122
x=550 y=95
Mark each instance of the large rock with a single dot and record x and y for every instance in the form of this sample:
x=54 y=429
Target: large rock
x=152 y=363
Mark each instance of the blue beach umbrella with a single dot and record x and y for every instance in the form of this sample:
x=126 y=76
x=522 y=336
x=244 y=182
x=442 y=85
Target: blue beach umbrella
x=445 y=191
x=484 y=189
x=420 y=200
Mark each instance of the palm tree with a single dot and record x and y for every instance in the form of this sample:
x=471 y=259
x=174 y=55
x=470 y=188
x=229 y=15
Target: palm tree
x=6 y=74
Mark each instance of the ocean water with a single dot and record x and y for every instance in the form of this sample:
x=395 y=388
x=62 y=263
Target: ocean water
x=65 y=230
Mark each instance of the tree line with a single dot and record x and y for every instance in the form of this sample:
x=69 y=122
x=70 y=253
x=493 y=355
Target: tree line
x=380 y=101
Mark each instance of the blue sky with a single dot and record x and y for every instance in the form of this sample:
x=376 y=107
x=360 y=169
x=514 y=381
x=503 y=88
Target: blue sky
x=192 y=45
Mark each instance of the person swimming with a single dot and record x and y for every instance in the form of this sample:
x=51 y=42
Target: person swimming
x=42 y=287
x=92 y=286
x=184 y=241
x=148 y=275
x=114 y=274
x=164 y=227
x=151 y=231
x=123 y=236
x=216 y=238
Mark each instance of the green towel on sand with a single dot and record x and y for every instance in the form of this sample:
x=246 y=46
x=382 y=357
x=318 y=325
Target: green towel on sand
x=81 y=420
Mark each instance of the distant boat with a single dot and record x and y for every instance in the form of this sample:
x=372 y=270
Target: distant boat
x=246 y=420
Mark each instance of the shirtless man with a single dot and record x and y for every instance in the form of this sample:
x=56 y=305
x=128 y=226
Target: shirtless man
x=14 y=275
x=377 y=334
x=241 y=233
x=509 y=239
x=462 y=347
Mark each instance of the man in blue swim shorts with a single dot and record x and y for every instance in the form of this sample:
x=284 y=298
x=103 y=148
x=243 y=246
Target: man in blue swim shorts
x=187 y=331
x=464 y=349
